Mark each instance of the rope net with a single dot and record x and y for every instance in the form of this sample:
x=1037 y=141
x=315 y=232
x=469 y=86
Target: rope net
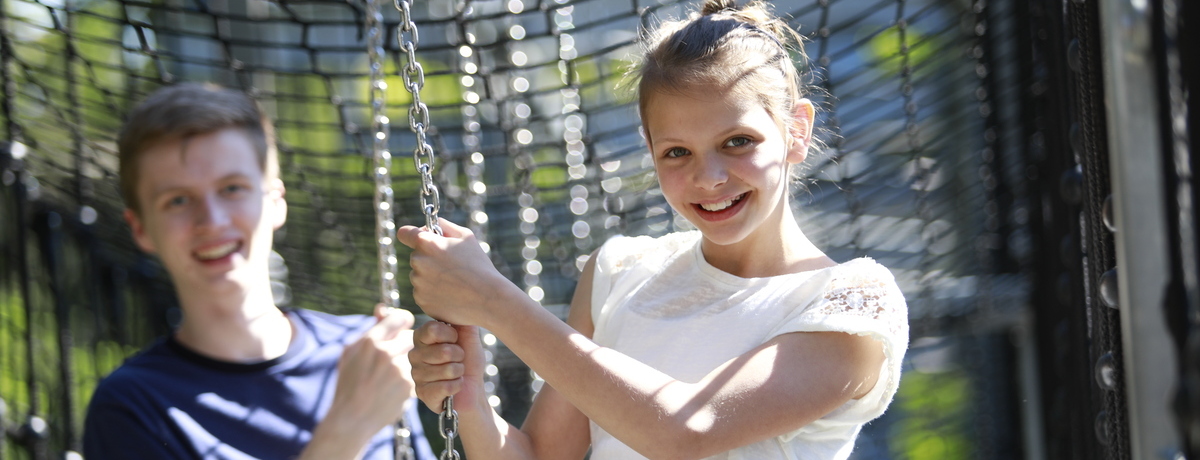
x=537 y=154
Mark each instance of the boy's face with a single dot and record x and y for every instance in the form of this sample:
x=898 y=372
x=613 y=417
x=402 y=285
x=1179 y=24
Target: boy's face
x=207 y=211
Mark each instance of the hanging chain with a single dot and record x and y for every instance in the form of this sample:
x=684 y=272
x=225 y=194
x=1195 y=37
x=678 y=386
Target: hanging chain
x=385 y=226
x=418 y=116
x=423 y=157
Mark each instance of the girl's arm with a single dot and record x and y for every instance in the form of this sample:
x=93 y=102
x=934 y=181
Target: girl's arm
x=771 y=390
x=448 y=360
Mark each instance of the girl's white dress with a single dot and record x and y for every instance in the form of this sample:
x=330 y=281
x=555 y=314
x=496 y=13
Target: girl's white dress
x=658 y=301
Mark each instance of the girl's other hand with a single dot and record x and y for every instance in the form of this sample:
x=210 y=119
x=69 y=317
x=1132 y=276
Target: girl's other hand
x=452 y=278
x=448 y=361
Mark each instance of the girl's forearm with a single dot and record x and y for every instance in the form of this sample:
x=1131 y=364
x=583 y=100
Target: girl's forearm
x=485 y=434
x=634 y=402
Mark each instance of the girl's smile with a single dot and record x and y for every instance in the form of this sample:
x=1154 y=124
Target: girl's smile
x=722 y=209
x=722 y=161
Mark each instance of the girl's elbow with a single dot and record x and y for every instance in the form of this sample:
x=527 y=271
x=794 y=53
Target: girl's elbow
x=682 y=443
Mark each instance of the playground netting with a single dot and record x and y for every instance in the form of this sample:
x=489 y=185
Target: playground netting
x=923 y=106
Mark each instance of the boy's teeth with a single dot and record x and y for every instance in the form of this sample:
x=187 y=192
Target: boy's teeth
x=721 y=205
x=218 y=251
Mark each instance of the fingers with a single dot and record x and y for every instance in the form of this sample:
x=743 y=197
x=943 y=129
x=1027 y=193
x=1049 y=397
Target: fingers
x=392 y=321
x=432 y=394
x=436 y=355
x=435 y=332
x=437 y=363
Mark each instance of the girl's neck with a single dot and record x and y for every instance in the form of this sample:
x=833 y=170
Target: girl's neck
x=768 y=252
x=236 y=328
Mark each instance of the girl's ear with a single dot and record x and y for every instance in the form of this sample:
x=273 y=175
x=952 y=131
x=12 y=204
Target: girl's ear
x=800 y=130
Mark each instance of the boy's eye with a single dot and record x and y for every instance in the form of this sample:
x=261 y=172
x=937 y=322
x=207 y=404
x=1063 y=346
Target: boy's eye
x=737 y=142
x=233 y=189
x=176 y=201
x=675 y=152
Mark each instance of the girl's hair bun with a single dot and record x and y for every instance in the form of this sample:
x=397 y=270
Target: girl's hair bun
x=717 y=6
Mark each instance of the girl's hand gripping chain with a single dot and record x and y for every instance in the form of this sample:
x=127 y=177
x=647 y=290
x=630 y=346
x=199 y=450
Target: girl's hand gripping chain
x=449 y=361
x=453 y=280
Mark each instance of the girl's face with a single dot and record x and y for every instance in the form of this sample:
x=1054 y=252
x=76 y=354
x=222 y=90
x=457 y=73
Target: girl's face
x=722 y=160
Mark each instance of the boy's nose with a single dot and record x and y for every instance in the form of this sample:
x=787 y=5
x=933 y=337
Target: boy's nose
x=210 y=213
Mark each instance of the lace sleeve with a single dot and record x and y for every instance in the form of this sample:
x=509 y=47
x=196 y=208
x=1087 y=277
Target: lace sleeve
x=861 y=298
x=865 y=298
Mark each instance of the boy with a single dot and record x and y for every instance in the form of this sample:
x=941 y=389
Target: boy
x=239 y=378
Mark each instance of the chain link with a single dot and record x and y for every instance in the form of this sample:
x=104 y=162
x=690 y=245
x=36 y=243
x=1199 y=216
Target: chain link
x=385 y=226
x=424 y=158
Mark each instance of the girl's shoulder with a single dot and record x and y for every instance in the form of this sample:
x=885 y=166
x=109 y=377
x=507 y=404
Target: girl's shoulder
x=864 y=287
x=861 y=272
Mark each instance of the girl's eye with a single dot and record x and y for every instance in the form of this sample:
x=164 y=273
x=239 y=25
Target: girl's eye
x=675 y=152
x=737 y=142
x=233 y=189
x=176 y=201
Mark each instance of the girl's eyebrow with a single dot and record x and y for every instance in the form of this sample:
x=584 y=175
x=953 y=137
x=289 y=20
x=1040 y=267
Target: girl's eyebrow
x=736 y=127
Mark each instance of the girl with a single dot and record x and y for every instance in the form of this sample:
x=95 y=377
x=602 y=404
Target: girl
x=738 y=341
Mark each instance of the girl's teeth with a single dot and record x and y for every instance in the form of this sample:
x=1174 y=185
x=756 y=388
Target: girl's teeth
x=217 y=252
x=712 y=207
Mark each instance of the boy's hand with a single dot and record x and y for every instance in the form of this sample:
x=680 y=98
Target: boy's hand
x=374 y=383
x=374 y=376
x=448 y=361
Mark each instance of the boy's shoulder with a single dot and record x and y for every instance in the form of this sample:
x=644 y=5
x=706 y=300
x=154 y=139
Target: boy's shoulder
x=146 y=367
x=327 y=327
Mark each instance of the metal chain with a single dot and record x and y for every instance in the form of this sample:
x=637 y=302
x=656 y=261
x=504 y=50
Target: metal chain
x=423 y=157
x=385 y=225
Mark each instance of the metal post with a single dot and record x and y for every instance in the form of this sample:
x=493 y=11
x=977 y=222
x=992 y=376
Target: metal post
x=1136 y=169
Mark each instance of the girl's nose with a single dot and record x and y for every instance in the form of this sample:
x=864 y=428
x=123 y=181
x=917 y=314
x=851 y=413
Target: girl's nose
x=711 y=171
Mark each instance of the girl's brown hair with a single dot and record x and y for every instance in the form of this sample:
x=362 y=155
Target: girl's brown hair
x=743 y=50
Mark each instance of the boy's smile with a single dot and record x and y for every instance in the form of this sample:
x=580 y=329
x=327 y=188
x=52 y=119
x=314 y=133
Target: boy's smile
x=207 y=211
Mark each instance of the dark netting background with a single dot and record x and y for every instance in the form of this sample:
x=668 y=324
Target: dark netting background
x=537 y=152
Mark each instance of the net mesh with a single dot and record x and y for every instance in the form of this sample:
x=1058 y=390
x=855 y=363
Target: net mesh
x=539 y=156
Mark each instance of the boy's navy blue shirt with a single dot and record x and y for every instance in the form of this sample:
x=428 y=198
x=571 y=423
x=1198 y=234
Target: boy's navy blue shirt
x=168 y=402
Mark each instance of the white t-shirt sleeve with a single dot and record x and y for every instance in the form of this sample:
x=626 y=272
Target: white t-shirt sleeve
x=861 y=298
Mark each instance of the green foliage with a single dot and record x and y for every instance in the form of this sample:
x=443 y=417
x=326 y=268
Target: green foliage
x=936 y=408
x=890 y=48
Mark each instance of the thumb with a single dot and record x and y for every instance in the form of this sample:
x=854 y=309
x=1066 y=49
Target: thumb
x=408 y=235
x=453 y=230
x=468 y=336
x=381 y=311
